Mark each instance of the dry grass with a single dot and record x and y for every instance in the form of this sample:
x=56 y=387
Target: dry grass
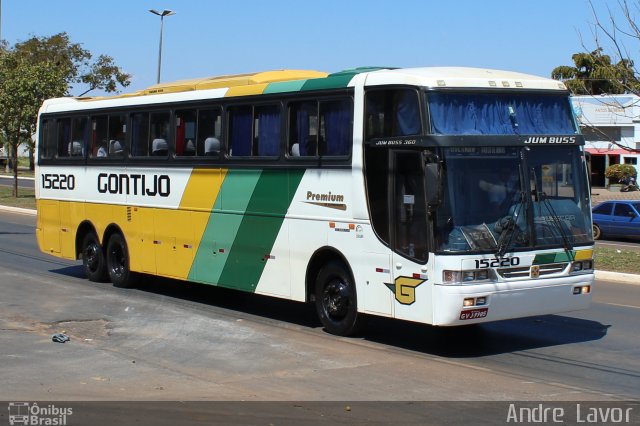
x=26 y=197
x=616 y=260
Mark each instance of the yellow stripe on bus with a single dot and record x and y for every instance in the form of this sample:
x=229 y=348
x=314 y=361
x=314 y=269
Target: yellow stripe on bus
x=583 y=255
x=252 y=89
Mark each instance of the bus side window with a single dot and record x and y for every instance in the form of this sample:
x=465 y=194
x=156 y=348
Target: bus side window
x=392 y=113
x=336 y=127
x=267 y=129
x=71 y=137
x=99 y=141
x=240 y=131
x=159 y=135
x=185 y=132
x=78 y=142
x=48 y=134
x=117 y=135
x=303 y=129
x=209 y=132
x=139 y=134
x=64 y=136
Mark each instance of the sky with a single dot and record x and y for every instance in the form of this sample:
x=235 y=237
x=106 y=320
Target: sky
x=215 y=37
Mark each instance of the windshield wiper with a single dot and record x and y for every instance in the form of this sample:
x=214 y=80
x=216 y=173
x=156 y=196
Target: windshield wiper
x=507 y=228
x=555 y=220
x=541 y=198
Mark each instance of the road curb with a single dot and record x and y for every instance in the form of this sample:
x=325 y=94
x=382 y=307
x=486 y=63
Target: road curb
x=618 y=277
x=19 y=177
x=18 y=210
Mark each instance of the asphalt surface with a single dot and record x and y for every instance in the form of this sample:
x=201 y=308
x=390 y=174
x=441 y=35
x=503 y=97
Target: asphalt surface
x=168 y=341
x=22 y=182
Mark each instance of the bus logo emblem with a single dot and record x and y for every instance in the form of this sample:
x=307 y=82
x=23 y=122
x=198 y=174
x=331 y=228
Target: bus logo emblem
x=535 y=271
x=404 y=289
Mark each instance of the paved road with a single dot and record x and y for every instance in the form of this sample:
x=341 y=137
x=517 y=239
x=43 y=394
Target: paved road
x=168 y=340
x=22 y=183
x=621 y=244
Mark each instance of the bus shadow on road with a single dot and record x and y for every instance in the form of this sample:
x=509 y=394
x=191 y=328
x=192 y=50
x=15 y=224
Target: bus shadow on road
x=452 y=342
x=486 y=339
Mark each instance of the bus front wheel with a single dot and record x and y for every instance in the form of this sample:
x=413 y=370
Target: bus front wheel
x=336 y=301
x=93 y=260
x=118 y=262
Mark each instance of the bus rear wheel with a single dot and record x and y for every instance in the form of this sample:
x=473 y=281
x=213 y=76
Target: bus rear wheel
x=118 y=262
x=93 y=260
x=336 y=301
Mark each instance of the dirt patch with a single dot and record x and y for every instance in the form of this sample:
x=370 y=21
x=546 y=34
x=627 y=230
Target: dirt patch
x=82 y=330
x=87 y=330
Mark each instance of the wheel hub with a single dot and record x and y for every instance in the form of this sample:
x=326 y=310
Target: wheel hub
x=336 y=299
x=91 y=254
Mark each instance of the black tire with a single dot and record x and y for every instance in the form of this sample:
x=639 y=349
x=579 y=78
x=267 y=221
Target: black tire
x=93 y=259
x=336 y=300
x=597 y=233
x=118 y=262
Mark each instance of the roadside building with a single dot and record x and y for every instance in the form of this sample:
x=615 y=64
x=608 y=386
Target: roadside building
x=610 y=124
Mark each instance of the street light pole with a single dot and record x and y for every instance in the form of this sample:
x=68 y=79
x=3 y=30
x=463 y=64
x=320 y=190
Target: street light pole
x=162 y=14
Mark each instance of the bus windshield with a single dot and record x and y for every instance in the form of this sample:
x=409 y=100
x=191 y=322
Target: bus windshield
x=512 y=197
x=500 y=114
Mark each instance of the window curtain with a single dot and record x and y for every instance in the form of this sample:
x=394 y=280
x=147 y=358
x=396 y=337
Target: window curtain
x=407 y=114
x=65 y=138
x=338 y=122
x=268 y=130
x=462 y=114
x=302 y=120
x=241 y=132
x=139 y=133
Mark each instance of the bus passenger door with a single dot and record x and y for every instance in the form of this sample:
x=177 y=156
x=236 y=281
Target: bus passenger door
x=409 y=235
x=378 y=295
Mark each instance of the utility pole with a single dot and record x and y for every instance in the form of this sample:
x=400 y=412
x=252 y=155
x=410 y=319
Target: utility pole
x=162 y=14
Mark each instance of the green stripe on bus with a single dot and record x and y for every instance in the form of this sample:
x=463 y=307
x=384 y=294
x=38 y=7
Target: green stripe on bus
x=284 y=86
x=259 y=228
x=335 y=82
x=542 y=259
x=222 y=227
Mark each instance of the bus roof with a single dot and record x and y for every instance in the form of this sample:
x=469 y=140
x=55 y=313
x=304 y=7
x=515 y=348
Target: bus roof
x=279 y=81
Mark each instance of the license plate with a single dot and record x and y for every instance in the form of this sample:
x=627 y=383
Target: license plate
x=474 y=313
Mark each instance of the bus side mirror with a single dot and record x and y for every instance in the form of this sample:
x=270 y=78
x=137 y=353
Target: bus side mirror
x=432 y=184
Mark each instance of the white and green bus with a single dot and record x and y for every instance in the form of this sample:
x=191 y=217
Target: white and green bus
x=446 y=196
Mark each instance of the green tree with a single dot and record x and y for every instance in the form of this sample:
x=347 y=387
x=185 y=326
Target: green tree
x=42 y=68
x=609 y=68
x=594 y=74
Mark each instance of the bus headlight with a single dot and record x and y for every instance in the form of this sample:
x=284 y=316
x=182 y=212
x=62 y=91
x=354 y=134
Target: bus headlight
x=468 y=276
x=581 y=266
x=451 y=277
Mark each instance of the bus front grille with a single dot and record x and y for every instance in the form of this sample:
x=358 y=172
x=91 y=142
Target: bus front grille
x=534 y=271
